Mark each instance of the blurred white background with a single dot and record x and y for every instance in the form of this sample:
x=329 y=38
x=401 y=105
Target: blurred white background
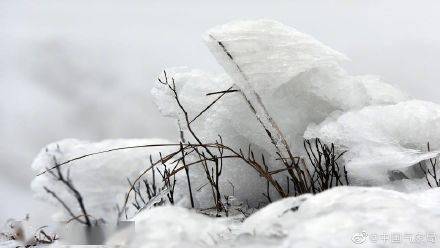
x=84 y=69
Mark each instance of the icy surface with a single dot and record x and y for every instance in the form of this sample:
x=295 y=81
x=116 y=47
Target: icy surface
x=101 y=179
x=267 y=52
x=297 y=80
x=296 y=88
x=306 y=86
x=330 y=219
x=381 y=138
x=177 y=227
x=333 y=218
x=226 y=118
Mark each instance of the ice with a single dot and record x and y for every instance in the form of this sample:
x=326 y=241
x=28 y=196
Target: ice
x=262 y=55
x=266 y=53
x=306 y=86
x=380 y=92
x=335 y=218
x=223 y=118
x=383 y=138
x=298 y=79
x=268 y=220
x=101 y=179
x=192 y=86
x=314 y=95
x=166 y=227
x=293 y=87
x=340 y=216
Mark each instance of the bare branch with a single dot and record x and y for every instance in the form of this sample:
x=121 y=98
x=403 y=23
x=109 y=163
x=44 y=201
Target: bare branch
x=211 y=104
x=68 y=183
x=229 y=90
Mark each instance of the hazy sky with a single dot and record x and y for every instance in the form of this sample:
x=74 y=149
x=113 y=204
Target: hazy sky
x=83 y=69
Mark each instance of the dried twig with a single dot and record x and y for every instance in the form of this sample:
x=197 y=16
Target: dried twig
x=229 y=90
x=68 y=183
x=101 y=152
x=187 y=176
x=430 y=170
x=212 y=103
x=324 y=159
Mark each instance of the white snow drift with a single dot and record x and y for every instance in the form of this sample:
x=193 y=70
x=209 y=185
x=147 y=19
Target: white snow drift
x=335 y=218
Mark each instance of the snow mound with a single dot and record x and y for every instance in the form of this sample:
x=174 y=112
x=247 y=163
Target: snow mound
x=177 y=227
x=383 y=138
x=101 y=179
x=345 y=217
x=339 y=217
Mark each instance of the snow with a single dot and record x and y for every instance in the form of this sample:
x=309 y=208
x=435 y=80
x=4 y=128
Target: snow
x=267 y=221
x=309 y=87
x=329 y=219
x=22 y=233
x=310 y=90
x=101 y=179
x=294 y=87
x=177 y=227
x=224 y=118
x=375 y=46
x=333 y=217
x=299 y=80
x=192 y=85
x=382 y=138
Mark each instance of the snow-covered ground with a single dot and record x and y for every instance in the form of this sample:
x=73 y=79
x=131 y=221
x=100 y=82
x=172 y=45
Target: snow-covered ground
x=340 y=217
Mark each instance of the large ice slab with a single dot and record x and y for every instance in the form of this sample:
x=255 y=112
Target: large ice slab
x=266 y=53
x=297 y=80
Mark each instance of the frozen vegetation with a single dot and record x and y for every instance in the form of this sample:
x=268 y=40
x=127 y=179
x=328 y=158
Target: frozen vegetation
x=285 y=149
